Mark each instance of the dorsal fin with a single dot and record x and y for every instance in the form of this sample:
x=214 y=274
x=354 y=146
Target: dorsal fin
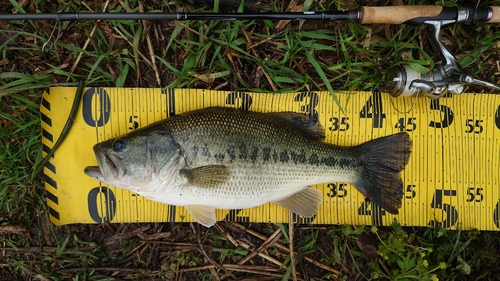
x=306 y=123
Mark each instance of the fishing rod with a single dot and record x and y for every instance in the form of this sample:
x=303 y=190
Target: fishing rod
x=448 y=77
x=410 y=14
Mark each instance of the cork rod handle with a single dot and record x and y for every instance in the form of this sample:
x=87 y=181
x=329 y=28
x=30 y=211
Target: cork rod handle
x=496 y=14
x=397 y=14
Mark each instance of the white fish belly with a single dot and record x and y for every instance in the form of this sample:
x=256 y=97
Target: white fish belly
x=249 y=186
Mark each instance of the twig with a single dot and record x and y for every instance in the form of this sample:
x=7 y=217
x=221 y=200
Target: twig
x=17 y=229
x=382 y=263
x=106 y=268
x=263 y=270
x=284 y=248
x=86 y=43
x=136 y=248
x=146 y=25
x=292 y=7
x=198 y=268
x=231 y=60
x=192 y=30
x=269 y=80
x=246 y=246
x=132 y=45
x=270 y=241
x=179 y=244
x=290 y=235
x=208 y=257
x=225 y=233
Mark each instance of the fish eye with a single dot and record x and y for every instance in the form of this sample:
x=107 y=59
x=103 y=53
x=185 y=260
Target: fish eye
x=118 y=145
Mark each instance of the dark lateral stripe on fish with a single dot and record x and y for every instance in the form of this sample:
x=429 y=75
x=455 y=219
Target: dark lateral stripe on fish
x=266 y=151
x=298 y=158
x=267 y=154
x=230 y=152
x=243 y=152
x=254 y=153
x=220 y=156
x=205 y=152
x=343 y=163
x=275 y=156
x=314 y=159
x=195 y=150
x=284 y=157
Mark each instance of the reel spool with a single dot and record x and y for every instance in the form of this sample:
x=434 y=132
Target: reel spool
x=447 y=78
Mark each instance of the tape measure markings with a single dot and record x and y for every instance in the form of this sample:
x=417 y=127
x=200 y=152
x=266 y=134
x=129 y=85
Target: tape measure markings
x=47 y=139
x=439 y=191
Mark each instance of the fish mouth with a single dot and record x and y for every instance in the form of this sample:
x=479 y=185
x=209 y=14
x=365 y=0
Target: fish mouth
x=109 y=166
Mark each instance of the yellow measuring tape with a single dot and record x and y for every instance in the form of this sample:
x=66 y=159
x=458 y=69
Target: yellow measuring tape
x=452 y=178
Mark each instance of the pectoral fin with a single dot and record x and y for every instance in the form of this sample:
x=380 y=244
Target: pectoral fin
x=304 y=203
x=204 y=215
x=206 y=176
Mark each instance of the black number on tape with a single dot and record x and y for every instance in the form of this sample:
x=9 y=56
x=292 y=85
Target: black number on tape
x=246 y=99
x=474 y=126
x=102 y=107
x=451 y=213
x=410 y=191
x=133 y=122
x=339 y=125
x=101 y=204
x=496 y=215
x=373 y=210
x=447 y=115
x=475 y=194
x=172 y=210
x=406 y=124
x=368 y=209
x=337 y=190
x=233 y=216
x=373 y=109
x=303 y=220
x=497 y=117
x=310 y=108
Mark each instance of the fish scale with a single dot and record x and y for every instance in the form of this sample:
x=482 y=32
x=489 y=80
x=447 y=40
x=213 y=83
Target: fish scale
x=231 y=159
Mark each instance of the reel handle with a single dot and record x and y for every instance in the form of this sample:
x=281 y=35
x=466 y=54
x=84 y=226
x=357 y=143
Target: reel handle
x=402 y=81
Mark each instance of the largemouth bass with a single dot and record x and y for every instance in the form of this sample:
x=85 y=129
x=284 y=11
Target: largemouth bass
x=225 y=158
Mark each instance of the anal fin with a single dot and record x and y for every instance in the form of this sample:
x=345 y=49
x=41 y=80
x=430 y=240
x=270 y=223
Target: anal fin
x=304 y=203
x=204 y=215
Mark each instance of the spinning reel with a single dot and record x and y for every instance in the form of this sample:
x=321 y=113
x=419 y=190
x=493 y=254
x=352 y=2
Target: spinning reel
x=442 y=79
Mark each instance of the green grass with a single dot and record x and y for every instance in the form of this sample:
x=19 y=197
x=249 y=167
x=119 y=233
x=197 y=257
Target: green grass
x=222 y=55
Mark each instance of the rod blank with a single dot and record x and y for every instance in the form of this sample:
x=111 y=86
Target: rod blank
x=185 y=16
x=406 y=14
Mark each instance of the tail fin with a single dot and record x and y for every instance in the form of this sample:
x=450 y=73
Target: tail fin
x=383 y=159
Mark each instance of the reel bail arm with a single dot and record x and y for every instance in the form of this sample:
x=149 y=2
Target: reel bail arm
x=442 y=79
